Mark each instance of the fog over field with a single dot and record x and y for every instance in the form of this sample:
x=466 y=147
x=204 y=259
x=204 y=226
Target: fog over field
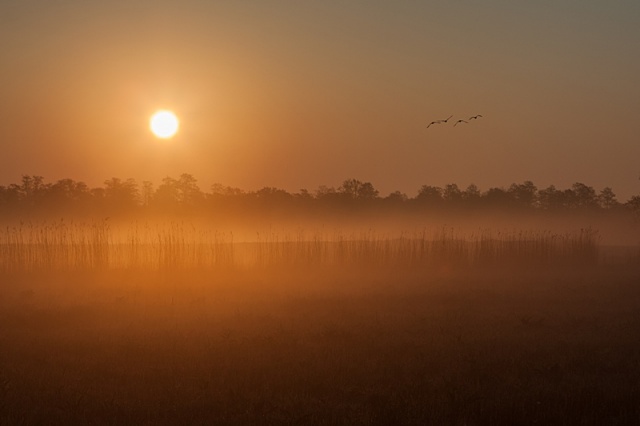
x=319 y=212
x=134 y=304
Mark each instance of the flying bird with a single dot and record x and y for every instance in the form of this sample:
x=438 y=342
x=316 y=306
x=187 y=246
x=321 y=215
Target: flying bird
x=459 y=121
x=475 y=117
x=439 y=121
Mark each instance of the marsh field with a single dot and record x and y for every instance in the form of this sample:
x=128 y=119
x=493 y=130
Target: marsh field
x=319 y=212
x=178 y=323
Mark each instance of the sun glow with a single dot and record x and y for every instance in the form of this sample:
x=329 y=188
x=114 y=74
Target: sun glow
x=164 y=124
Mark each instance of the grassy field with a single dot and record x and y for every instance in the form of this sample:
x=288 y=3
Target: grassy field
x=71 y=246
x=417 y=329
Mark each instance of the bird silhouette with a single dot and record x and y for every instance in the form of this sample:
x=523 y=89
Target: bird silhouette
x=439 y=121
x=475 y=117
x=459 y=121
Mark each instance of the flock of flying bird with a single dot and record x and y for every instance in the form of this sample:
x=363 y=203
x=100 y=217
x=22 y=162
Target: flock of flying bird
x=475 y=117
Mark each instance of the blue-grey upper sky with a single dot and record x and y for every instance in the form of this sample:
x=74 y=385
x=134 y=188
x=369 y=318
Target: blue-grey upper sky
x=296 y=94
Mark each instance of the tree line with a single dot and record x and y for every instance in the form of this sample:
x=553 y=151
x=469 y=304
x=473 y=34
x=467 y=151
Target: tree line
x=184 y=193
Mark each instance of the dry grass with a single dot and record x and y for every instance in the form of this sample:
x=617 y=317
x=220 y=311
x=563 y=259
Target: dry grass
x=70 y=246
x=283 y=347
x=173 y=325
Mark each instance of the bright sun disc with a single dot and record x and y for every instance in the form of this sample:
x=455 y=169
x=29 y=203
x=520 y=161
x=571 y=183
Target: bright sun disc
x=164 y=124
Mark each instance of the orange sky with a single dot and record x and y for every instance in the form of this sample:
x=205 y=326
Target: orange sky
x=299 y=94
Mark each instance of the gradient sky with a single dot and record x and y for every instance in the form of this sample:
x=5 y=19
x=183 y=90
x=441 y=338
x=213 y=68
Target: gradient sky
x=297 y=94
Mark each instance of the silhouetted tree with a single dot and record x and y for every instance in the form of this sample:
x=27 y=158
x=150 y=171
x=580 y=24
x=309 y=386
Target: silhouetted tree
x=67 y=195
x=228 y=199
x=396 y=200
x=327 y=193
x=430 y=195
x=524 y=195
x=68 y=189
x=569 y=199
x=167 y=193
x=634 y=204
x=551 y=198
x=497 y=198
x=147 y=193
x=396 y=197
x=471 y=195
x=97 y=194
x=31 y=190
x=9 y=196
x=356 y=190
x=220 y=190
x=188 y=192
x=303 y=194
x=32 y=193
x=607 y=199
x=273 y=195
x=121 y=193
x=584 y=196
x=452 y=193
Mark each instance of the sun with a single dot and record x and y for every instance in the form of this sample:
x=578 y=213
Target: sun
x=164 y=124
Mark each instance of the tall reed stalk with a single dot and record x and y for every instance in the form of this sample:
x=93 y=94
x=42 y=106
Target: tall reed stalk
x=80 y=246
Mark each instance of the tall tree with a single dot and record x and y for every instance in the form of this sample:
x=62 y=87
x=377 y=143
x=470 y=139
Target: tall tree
x=31 y=190
x=356 y=190
x=188 y=190
x=607 y=199
x=168 y=192
x=497 y=198
x=68 y=189
x=550 y=198
x=524 y=194
x=452 y=193
x=396 y=197
x=634 y=204
x=121 y=193
x=471 y=195
x=219 y=190
x=147 y=192
x=431 y=195
x=585 y=196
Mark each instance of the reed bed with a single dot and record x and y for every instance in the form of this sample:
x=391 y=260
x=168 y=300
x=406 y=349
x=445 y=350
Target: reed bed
x=76 y=246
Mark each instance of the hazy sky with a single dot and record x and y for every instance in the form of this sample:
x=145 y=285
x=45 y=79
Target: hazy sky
x=297 y=94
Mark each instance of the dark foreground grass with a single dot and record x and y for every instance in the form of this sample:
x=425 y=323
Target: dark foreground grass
x=321 y=347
